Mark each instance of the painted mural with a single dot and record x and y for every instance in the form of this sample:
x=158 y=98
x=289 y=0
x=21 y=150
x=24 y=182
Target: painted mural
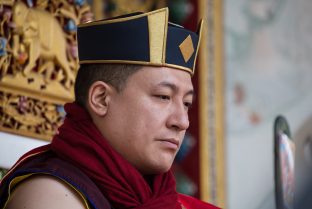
x=268 y=72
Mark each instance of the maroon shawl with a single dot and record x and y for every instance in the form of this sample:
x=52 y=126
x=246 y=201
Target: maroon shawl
x=80 y=143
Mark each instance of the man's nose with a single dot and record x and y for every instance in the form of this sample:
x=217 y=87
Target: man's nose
x=178 y=118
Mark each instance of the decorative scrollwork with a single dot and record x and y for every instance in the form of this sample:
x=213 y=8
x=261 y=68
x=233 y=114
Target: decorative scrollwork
x=119 y=7
x=38 y=62
x=29 y=116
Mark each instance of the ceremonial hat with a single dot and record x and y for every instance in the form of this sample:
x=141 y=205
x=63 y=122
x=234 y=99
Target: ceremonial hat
x=139 y=38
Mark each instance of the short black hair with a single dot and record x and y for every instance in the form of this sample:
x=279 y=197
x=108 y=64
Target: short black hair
x=114 y=74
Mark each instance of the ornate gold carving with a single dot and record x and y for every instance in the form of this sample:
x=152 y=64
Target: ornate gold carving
x=120 y=7
x=38 y=62
x=187 y=48
x=42 y=36
x=29 y=116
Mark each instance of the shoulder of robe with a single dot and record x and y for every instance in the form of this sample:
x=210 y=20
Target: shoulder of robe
x=44 y=191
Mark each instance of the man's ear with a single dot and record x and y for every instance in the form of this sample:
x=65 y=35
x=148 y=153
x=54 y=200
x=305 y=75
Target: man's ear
x=98 y=97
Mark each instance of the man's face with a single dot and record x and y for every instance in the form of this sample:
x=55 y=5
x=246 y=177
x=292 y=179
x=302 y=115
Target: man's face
x=148 y=119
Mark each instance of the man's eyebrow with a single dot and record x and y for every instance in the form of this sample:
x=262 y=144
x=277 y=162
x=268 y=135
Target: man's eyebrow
x=173 y=87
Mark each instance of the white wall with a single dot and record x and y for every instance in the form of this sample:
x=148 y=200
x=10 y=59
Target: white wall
x=13 y=146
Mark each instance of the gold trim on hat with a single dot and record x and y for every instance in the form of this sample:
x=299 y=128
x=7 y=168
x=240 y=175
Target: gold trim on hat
x=201 y=25
x=137 y=63
x=102 y=22
x=165 y=38
x=157 y=27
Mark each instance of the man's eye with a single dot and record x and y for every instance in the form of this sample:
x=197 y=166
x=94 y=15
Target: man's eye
x=163 y=97
x=188 y=105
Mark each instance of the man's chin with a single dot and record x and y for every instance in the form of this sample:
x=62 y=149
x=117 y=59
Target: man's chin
x=156 y=169
x=160 y=169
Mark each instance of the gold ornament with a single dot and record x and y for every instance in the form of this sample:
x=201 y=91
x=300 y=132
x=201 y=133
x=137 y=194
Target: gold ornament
x=38 y=63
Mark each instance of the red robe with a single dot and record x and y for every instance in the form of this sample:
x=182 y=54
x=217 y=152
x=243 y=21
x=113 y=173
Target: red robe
x=81 y=145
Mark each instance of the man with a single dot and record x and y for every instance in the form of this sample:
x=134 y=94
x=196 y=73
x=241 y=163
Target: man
x=119 y=138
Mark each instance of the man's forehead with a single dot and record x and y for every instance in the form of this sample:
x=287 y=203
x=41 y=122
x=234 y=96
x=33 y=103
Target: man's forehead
x=165 y=77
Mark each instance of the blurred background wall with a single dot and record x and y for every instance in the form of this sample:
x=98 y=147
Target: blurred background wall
x=268 y=62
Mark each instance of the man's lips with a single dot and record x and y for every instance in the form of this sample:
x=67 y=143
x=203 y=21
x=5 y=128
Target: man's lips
x=170 y=143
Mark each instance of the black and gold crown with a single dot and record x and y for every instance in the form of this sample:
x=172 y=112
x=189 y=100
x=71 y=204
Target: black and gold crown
x=139 y=38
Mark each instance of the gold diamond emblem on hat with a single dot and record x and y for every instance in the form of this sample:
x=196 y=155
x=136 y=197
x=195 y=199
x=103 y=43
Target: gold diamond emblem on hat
x=187 y=48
